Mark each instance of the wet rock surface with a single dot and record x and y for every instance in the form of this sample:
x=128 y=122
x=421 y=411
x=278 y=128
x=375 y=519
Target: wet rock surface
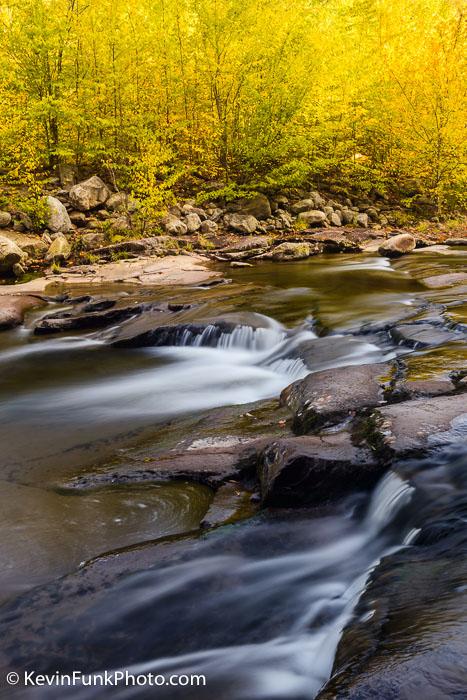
x=88 y=316
x=398 y=245
x=330 y=396
x=13 y=308
x=417 y=426
x=315 y=469
x=422 y=335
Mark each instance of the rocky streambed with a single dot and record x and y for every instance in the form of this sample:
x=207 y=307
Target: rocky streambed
x=261 y=480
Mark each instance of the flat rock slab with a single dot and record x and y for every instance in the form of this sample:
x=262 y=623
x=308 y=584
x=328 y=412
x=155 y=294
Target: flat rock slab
x=439 y=386
x=448 y=280
x=329 y=396
x=211 y=465
x=315 y=469
x=173 y=270
x=91 y=314
x=13 y=308
x=82 y=319
x=422 y=335
x=339 y=242
x=415 y=427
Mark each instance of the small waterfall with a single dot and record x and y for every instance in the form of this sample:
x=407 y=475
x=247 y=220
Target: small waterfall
x=391 y=494
x=240 y=337
x=269 y=346
x=256 y=339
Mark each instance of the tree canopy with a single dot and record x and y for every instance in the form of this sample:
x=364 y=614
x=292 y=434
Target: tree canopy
x=253 y=93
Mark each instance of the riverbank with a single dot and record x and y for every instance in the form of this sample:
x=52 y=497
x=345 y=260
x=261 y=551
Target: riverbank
x=91 y=227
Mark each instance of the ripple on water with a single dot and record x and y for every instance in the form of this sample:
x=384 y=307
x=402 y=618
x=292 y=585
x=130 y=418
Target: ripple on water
x=45 y=534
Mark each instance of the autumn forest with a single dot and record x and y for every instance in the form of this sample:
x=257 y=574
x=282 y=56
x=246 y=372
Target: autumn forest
x=237 y=95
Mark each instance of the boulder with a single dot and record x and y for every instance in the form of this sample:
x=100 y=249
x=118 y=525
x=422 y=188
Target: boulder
x=119 y=201
x=208 y=226
x=190 y=209
x=362 y=220
x=241 y=223
x=192 y=222
x=335 y=219
x=283 y=219
x=78 y=218
x=60 y=249
x=290 y=251
x=417 y=426
x=303 y=205
x=90 y=194
x=5 y=219
x=317 y=199
x=87 y=316
x=23 y=223
x=313 y=217
x=398 y=245
x=348 y=216
x=58 y=220
x=10 y=254
x=248 y=244
x=120 y=222
x=373 y=214
x=257 y=206
x=30 y=244
x=13 y=308
x=215 y=214
x=330 y=396
x=90 y=241
x=154 y=245
x=34 y=247
x=314 y=470
x=174 y=226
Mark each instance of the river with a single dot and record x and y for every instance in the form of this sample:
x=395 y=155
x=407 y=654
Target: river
x=257 y=606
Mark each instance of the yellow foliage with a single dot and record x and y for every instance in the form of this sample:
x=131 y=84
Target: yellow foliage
x=368 y=92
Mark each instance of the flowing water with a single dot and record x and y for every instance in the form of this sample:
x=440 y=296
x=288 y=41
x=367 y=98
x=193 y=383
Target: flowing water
x=258 y=607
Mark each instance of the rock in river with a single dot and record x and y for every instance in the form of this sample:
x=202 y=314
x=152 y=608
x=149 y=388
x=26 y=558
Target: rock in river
x=417 y=426
x=398 y=245
x=331 y=395
x=13 y=308
x=422 y=335
x=315 y=469
x=290 y=251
